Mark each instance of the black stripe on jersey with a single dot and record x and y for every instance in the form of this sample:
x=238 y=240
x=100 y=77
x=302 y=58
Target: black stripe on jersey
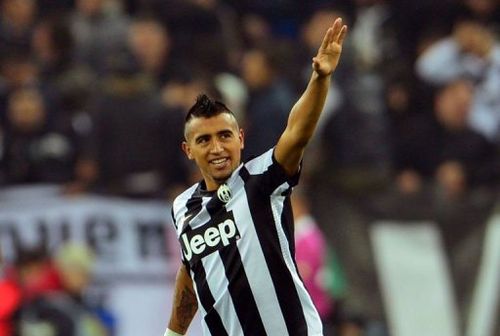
x=239 y=287
x=212 y=317
x=194 y=206
x=288 y=225
x=262 y=216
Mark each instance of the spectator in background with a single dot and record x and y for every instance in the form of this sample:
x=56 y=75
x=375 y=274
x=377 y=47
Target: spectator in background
x=17 y=18
x=280 y=18
x=150 y=43
x=17 y=69
x=35 y=274
x=65 y=312
x=445 y=148
x=195 y=29
x=256 y=30
x=10 y=302
x=99 y=32
x=36 y=150
x=133 y=145
x=32 y=276
x=70 y=82
x=229 y=30
x=485 y=11
x=470 y=52
x=269 y=101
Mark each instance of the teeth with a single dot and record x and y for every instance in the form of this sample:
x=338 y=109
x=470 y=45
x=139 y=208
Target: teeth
x=217 y=161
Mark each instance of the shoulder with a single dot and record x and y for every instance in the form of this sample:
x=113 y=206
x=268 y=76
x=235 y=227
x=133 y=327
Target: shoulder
x=179 y=205
x=181 y=200
x=186 y=194
x=260 y=164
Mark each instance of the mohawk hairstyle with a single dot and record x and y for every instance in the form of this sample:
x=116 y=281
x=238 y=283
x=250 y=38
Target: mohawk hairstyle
x=206 y=108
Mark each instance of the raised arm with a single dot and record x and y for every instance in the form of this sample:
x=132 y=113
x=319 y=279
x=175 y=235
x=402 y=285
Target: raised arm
x=305 y=113
x=184 y=306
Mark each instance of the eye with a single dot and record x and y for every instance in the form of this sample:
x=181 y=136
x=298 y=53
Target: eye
x=202 y=140
x=226 y=135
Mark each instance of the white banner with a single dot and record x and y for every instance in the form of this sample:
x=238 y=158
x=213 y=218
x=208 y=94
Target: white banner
x=128 y=237
x=414 y=278
x=134 y=241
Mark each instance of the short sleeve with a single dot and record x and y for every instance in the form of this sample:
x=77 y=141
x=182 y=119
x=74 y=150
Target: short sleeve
x=267 y=174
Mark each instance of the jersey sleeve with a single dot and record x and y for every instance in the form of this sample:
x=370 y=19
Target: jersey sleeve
x=268 y=174
x=175 y=223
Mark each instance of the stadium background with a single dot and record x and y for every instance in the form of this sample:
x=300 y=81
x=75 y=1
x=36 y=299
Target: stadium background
x=401 y=178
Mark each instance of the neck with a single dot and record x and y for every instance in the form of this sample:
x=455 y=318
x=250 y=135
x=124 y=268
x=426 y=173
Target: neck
x=211 y=186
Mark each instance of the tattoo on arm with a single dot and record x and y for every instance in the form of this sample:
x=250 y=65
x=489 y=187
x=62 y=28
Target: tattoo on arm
x=186 y=307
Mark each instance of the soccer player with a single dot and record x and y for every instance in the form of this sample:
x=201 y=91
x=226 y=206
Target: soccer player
x=235 y=227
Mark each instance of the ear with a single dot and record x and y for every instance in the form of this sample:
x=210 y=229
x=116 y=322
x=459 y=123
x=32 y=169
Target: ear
x=242 y=138
x=187 y=150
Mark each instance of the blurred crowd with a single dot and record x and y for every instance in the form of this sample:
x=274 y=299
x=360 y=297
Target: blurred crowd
x=93 y=95
x=45 y=295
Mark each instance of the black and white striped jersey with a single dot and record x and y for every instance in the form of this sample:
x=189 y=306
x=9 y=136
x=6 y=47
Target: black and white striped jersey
x=241 y=254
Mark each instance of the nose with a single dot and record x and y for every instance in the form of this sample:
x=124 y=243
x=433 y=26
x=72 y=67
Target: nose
x=216 y=147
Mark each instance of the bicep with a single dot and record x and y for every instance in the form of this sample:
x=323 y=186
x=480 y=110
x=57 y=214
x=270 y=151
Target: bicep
x=289 y=152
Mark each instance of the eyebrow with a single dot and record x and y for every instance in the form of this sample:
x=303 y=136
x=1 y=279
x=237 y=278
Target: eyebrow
x=224 y=131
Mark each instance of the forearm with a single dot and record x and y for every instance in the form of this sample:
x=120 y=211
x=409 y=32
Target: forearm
x=185 y=304
x=305 y=114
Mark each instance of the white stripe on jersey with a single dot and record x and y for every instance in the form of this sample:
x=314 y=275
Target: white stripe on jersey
x=225 y=306
x=311 y=314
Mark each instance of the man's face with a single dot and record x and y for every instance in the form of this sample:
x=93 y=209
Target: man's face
x=215 y=145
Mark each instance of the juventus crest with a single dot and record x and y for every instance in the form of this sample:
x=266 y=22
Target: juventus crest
x=224 y=193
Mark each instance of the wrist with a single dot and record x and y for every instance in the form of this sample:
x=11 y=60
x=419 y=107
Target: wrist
x=171 y=333
x=319 y=77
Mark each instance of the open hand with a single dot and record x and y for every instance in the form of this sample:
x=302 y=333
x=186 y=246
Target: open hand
x=325 y=62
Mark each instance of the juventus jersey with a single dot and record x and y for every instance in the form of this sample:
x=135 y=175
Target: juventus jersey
x=239 y=249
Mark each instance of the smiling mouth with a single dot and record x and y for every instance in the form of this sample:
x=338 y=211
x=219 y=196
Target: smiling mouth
x=219 y=163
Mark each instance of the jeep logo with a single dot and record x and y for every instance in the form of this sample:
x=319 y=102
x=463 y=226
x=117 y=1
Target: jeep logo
x=209 y=238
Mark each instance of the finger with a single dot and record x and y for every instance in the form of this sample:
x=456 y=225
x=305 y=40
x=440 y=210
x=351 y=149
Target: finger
x=342 y=35
x=337 y=27
x=327 y=38
x=315 y=64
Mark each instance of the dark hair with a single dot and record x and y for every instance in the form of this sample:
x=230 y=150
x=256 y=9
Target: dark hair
x=206 y=108
x=30 y=255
